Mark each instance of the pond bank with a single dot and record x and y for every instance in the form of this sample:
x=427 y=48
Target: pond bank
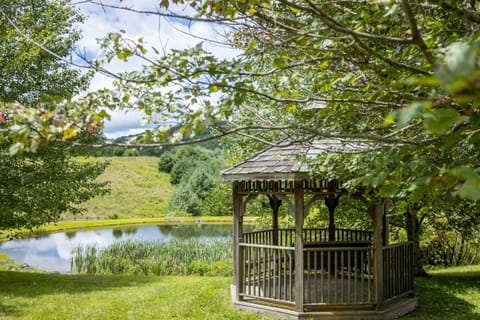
x=6 y=235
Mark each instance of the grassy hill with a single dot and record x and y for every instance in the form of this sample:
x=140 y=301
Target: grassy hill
x=138 y=190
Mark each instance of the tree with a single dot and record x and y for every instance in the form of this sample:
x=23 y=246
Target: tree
x=36 y=37
x=27 y=67
x=401 y=77
x=195 y=171
x=38 y=187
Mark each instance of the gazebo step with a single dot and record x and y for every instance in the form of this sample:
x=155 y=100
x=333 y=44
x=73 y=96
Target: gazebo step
x=391 y=310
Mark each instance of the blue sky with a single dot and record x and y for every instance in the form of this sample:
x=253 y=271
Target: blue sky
x=155 y=31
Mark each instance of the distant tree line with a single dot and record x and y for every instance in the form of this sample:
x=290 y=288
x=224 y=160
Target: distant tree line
x=115 y=151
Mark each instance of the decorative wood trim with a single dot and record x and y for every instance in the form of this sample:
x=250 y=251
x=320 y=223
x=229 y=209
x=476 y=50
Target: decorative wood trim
x=247 y=200
x=306 y=209
x=291 y=206
x=275 y=205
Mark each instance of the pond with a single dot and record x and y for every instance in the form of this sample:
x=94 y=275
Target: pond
x=52 y=252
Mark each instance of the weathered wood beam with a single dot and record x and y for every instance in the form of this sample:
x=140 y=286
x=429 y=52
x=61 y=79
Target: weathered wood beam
x=386 y=226
x=377 y=214
x=299 y=263
x=238 y=211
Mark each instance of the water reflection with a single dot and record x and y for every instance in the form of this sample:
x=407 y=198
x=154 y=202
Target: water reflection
x=117 y=233
x=130 y=230
x=70 y=234
x=52 y=252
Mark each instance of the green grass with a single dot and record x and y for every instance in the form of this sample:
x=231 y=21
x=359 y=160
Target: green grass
x=452 y=294
x=138 y=189
x=6 y=262
x=47 y=296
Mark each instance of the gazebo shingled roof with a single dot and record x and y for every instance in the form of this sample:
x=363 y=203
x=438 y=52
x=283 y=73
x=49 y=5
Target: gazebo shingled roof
x=287 y=160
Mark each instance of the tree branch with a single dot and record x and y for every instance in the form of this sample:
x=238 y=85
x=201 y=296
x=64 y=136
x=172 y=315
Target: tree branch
x=332 y=23
x=183 y=142
x=416 y=36
x=167 y=14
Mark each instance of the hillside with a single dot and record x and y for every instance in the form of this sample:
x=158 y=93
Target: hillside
x=138 y=190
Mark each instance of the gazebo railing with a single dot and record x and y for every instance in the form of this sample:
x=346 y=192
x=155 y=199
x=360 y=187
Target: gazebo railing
x=332 y=275
x=268 y=273
x=335 y=273
x=286 y=237
x=397 y=270
x=338 y=276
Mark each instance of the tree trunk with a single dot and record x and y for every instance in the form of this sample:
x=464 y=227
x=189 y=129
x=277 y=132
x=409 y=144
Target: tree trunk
x=413 y=232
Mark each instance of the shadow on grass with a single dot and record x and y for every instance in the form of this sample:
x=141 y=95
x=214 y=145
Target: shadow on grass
x=31 y=285
x=449 y=296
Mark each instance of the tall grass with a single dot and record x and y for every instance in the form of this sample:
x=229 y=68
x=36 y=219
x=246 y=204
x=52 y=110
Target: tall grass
x=178 y=257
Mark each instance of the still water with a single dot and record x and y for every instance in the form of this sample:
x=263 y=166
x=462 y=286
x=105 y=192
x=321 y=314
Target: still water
x=52 y=252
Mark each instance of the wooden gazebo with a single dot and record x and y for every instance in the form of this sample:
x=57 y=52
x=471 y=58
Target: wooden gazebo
x=328 y=273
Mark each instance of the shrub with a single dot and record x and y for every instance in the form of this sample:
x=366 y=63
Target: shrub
x=218 y=201
x=184 y=201
x=181 y=168
x=166 y=162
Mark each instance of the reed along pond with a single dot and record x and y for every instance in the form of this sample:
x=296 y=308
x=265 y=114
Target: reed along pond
x=53 y=252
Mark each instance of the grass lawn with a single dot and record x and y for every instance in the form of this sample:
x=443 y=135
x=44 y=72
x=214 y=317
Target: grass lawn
x=47 y=296
x=452 y=294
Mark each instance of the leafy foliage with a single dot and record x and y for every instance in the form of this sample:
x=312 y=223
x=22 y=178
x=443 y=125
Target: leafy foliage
x=38 y=187
x=451 y=235
x=389 y=74
x=196 y=171
x=40 y=178
x=26 y=68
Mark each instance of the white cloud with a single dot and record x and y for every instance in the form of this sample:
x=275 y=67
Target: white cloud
x=158 y=32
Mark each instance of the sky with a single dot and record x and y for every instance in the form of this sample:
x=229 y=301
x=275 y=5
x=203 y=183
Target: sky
x=159 y=32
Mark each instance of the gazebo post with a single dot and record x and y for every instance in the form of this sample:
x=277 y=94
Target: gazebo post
x=299 y=263
x=386 y=227
x=238 y=211
x=331 y=201
x=275 y=205
x=377 y=215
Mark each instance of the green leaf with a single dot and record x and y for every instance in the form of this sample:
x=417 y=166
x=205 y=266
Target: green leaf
x=388 y=189
x=463 y=172
x=439 y=121
x=278 y=62
x=16 y=148
x=471 y=188
x=404 y=116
